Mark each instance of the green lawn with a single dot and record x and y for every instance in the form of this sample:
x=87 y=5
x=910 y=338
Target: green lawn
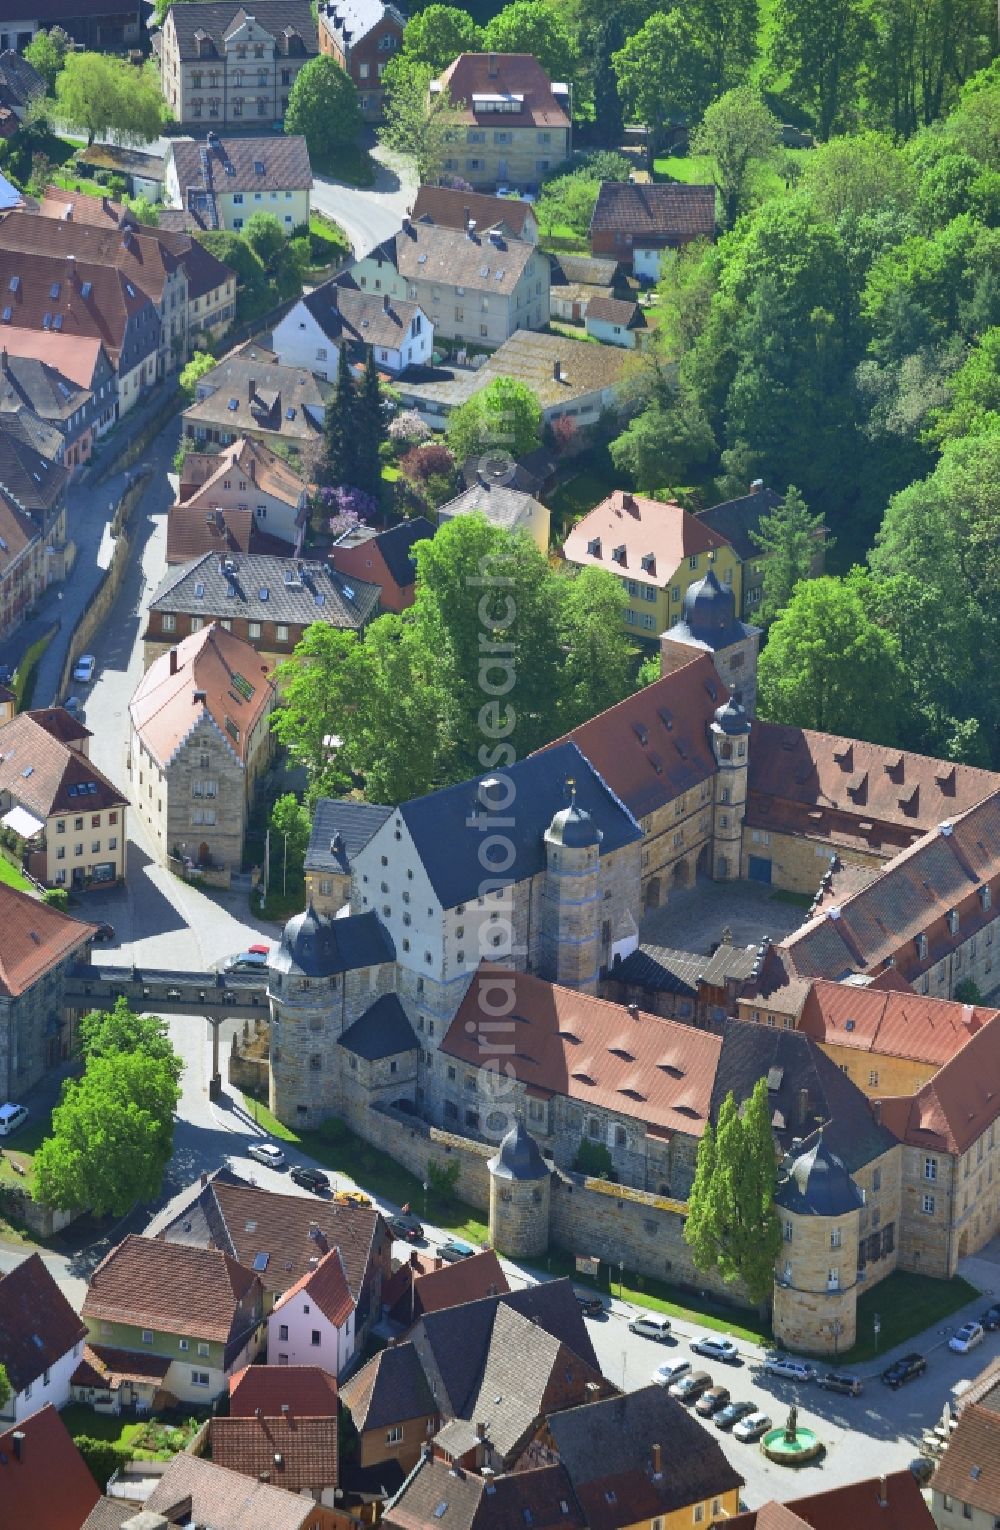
x=376 y=1172
x=580 y=493
x=21 y=1149
x=906 y=1305
x=11 y=876
x=697 y=170
x=116 y=1430
x=70 y=182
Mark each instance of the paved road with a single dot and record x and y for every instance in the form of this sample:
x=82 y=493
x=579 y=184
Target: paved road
x=369 y=216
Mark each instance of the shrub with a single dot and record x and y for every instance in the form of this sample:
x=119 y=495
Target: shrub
x=103 y=1457
x=423 y=463
x=443 y=1177
x=56 y=897
x=408 y=429
x=594 y=1159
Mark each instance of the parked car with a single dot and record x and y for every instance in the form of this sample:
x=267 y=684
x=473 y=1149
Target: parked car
x=990 y=1319
x=104 y=933
x=670 y=1371
x=73 y=705
x=310 y=1179
x=732 y=1413
x=12 y=1118
x=840 y=1381
x=83 y=669
x=352 y=1198
x=591 y=1305
x=752 y=1427
x=966 y=1338
x=689 y=1388
x=454 y=1250
x=651 y=1327
x=266 y=1152
x=716 y=1349
x=407 y=1227
x=711 y=1401
x=791 y=1370
x=904 y=1369
x=247 y=961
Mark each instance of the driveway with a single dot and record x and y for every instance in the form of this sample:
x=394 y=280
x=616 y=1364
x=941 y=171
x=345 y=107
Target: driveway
x=368 y=216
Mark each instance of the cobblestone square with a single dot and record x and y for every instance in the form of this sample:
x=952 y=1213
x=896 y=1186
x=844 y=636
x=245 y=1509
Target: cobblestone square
x=694 y=917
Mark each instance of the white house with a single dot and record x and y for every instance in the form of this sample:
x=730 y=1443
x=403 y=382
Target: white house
x=338 y=313
x=41 y=1340
x=312 y=1323
x=616 y=321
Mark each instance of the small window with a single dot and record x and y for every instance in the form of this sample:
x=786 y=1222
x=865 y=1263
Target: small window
x=147 y=1336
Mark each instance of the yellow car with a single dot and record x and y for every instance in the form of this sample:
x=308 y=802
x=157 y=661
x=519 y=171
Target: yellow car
x=352 y=1198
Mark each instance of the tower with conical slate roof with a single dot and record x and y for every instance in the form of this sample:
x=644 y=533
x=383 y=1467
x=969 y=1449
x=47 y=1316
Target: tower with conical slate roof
x=709 y=624
x=520 y=1182
x=815 y=1289
x=570 y=929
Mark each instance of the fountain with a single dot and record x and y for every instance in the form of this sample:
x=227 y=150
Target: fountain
x=793 y=1445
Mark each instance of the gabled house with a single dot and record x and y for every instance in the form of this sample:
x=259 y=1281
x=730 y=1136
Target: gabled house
x=511 y=216
x=892 y=1502
x=20 y=82
x=82 y=361
x=340 y=828
x=339 y=313
x=247 y=397
x=541 y=1497
x=513 y=123
x=265 y=1391
x=362 y=35
x=512 y=509
x=32 y=519
x=222 y=182
x=196 y=1309
x=635 y=223
x=39 y=948
x=194 y=1491
x=293 y=1452
x=44 y=1480
x=225 y=66
x=383 y=558
x=243 y=499
x=429 y=1285
x=30 y=384
x=616 y=321
x=313 y=1321
x=41 y=1340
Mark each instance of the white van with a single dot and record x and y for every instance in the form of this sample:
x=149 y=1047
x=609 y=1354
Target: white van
x=651 y=1327
x=12 y=1117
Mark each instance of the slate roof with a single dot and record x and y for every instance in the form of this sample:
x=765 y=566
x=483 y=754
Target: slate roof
x=516 y=75
x=736 y=519
x=345 y=313
x=661 y=970
x=233 y=161
x=293 y=1453
x=655 y=745
x=957 y=1105
x=27 y=382
x=540 y=1497
x=244 y=1220
x=216 y=18
x=815 y=1182
x=224 y=1499
x=48 y=777
x=38 y=1326
x=891 y=1022
x=35 y=939
x=450 y=855
x=453 y=209
x=327 y=1289
x=432 y=253
x=340 y=828
x=390 y=1389
x=382 y=1031
x=30 y=480
x=593 y=1051
x=858 y=1504
x=502 y=506
x=225 y=675
x=605 y=1448
x=657 y=213
x=805 y=1091
x=585 y=271
x=318 y=946
x=655 y=538
x=49 y=1488
x=292 y=586
x=77 y=357
x=307 y=1391
x=20 y=81
x=146 y=1283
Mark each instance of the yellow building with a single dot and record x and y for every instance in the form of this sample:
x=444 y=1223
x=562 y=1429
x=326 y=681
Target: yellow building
x=657 y=550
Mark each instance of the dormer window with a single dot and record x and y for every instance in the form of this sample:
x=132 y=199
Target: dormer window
x=594 y=548
x=921 y=945
x=984 y=897
x=649 y=563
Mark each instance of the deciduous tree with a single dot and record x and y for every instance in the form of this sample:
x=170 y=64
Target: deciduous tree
x=418 y=122
x=505 y=416
x=538 y=28
x=323 y=106
x=46 y=52
x=819 y=43
x=437 y=35
x=200 y=363
x=119 y=1031
x=598 y=666
x=739 y=133
x=99 y=94
x=664 y=71
x=266 y=237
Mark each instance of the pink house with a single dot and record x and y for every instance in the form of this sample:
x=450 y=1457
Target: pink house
x=312 y=1323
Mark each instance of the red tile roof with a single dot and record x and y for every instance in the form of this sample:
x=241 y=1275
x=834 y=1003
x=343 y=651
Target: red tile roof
x=654 y=538
x=102 y=315
x=144 y=1283
x=35 y=939
x=294 y=1453
x=61 y=724
x=957 y=1105
x=103 y=1367
x=307 y=1391
x=504 y=74
x=191 y=532
x=76 y=356
x=465 y=1281
x=969 y=1470
x=818 y=784
x=897 y=1023
x=49 y=1488
x=38 y=1326
x=656 y=212
x=893 y=1502
x=654 y=745
x=453 y=209
x=593 y=1051
x=327 y=1287
x=137 y=253
x=164 y=707
x=45 y=775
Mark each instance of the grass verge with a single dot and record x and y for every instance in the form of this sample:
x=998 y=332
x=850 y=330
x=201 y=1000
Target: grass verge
x=21 y=1149
x=352 y=164
x=797 y=900
x=10 y=875
x=906 y=1304
x=344 y=1153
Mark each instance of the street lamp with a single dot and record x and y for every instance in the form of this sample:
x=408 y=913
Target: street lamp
x=877 y=1325
x=621 y=1277
x=426 y=1188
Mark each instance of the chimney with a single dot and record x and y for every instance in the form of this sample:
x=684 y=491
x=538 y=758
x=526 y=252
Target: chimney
x=251 y=387
x=18 y=1438
x=4 y=364
x=203 y=1178
x=467 y=215
x=801 y=1107
x=407 y=224
x=883 y=1501
x=253 y=469
x=493 y=70
x=633 y=1010
x=557 y=370
x=757 y=487
x=480 y=1431
x=414 y=1259
x=657 y=1453
x=877 y=1111
x=487 y=1476
x=386 y=303
x=438 y=1264
x=173 y=651
x=257 y=1413
x=470 y=230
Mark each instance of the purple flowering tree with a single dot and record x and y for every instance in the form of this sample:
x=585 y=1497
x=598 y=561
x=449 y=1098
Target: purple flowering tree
x=348 y=507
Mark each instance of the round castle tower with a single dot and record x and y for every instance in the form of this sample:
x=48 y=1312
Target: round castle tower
x=520 y=1182
x=709 y=624
x=301 y=979
x=815 y=1291
x=730 y=729
x=570 y=905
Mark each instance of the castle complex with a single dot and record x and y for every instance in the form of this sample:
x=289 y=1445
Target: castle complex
x=456 y=1006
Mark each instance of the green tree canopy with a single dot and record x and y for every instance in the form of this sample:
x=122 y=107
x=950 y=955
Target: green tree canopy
x=973 y=406
x=46 y=52
x=266 y=237
x=664 y=70
x=503 y=416
x=739 y=133
x=438 y=34
x=99 y=94
x=789 y=538
x=112 y=1135
x=200 y=363
x=5 y=1387
x=536 y=27
x=819 y=43
x=289 y=817
x=731 y=1224
x=599 y=658
x=829 y=666
x=416 y=121
x=323 y=106
x=120 y=1031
